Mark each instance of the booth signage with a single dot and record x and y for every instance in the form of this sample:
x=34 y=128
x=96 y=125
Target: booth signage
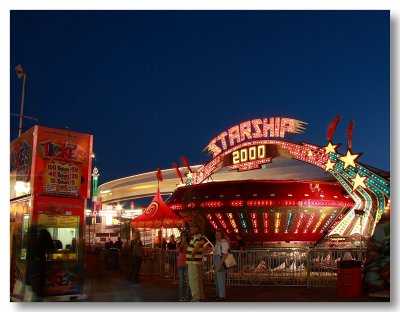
x=63 y=161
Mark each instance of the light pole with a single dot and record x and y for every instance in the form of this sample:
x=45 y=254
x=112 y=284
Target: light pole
x=94 y=207
x=21 y=73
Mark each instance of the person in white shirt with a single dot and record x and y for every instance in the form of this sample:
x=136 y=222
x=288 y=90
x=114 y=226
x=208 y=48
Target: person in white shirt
x=220 y=252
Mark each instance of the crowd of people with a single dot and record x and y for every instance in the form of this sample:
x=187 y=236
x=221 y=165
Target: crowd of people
x=190 y=246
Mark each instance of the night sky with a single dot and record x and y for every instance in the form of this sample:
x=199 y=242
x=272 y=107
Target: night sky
x=154 y=85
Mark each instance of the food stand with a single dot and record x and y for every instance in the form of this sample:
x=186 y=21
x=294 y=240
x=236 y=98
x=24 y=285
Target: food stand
x=49 y=187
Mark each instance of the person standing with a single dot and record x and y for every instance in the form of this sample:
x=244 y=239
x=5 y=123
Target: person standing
x=137 y=256
x=40 y=243
x=183 y=267
x=118 y=243
x=172 y=243
x=220 y=252
x=240 y=243
x=194 y=259
x=171 y=246
x=160 y=241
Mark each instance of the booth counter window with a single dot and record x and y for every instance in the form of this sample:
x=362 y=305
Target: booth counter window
x=64 y=231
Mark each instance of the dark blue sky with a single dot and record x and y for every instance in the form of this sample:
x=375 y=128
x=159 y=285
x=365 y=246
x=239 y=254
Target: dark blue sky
x=154 y=85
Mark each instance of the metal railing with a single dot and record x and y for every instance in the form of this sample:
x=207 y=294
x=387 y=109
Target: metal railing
x=322 y=264
x=266 y=267
x=274 y=266
x=161 y=263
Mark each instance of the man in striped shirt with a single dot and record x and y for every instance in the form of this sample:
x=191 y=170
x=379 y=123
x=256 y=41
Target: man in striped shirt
x=194 y=259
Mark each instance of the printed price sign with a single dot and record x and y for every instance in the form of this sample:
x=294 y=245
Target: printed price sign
x=56 y=221
x=61 y=178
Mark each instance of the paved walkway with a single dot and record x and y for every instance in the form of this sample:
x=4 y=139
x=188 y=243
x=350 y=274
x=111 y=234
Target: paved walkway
x=113 y=286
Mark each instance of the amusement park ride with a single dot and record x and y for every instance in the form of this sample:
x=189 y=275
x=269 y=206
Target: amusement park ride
x=284 y=211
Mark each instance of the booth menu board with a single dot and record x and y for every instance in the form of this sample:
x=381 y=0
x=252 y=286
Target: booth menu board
x=63 y=162
x=55 y=221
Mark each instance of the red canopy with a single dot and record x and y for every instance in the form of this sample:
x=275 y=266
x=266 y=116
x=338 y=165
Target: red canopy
x=157 y=215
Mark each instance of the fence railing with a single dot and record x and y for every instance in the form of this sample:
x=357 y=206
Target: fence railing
x=274 y=266
x=322 y=264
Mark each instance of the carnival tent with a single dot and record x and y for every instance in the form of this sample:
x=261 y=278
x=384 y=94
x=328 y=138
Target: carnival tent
x=157 y=215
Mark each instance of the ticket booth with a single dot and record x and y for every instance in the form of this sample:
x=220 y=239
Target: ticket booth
x=49 y=187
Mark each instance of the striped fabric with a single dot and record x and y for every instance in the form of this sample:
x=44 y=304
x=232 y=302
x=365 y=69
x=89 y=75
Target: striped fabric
x=197 y=258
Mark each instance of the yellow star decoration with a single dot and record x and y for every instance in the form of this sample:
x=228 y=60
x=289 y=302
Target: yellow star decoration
x=189 y=175
x=329 y=165
x=358 y=181
x=331 y=148
x=349 y=159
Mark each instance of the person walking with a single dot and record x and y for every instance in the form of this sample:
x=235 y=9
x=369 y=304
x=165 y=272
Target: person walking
x=220 y=252
x=137 y=256
x=194 y=259
x=183 y=267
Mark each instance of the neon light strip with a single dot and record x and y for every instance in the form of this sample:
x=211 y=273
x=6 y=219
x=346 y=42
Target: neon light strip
x=299 y=223
x=211 y=204
x=243 y=221
x=380 y=183
x=368 y=208
x=209 y=217
x=254 y=221
x=277 y=221
x=297 y=151
x=237 y=203
x=378 y=193
x=302 y=203
x=191 y=205
x=232 y=221
x=289 y=221
x=266 y=222
x=346 y=221
x=381 y=207
x=321 y=218
x=376 y=185
x=309 y=222
x=328 y=222
x=222 y=221
x=250 y=164
x=176 y=206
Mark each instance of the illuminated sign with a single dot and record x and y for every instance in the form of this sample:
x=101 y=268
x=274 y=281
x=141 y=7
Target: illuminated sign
x=249 y=158
x=274 y=127
x=248 y=154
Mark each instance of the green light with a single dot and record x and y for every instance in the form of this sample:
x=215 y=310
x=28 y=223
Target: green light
x=243 y=221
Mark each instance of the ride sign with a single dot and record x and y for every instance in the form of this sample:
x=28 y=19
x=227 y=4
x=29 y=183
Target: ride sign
x=274 y=127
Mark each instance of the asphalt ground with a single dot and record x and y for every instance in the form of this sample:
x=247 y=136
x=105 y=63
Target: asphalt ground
x=113 y=286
